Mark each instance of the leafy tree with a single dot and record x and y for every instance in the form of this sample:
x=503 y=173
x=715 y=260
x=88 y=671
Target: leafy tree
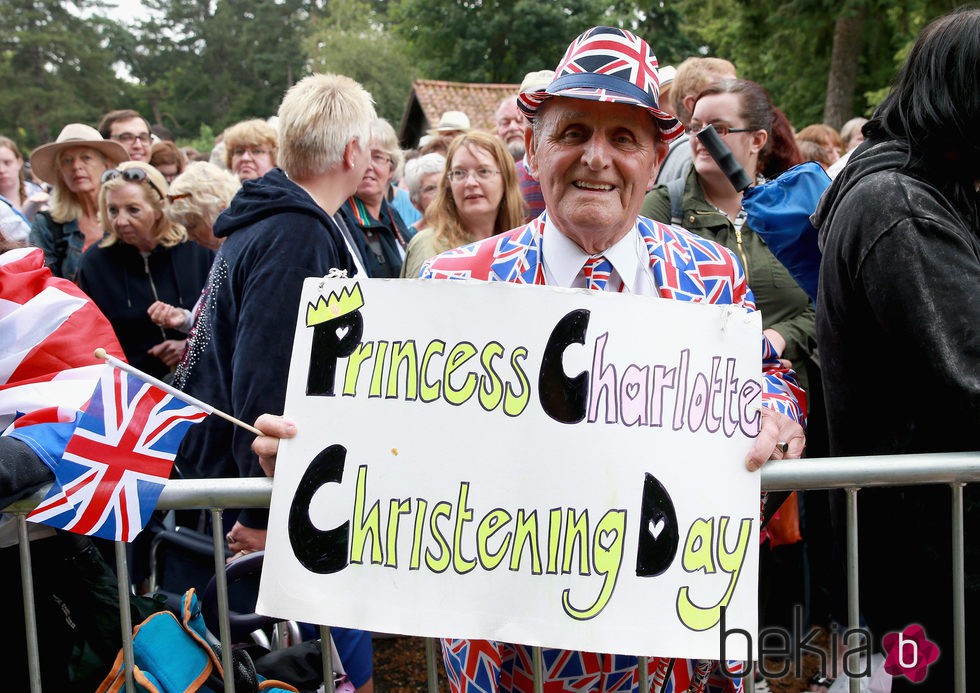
x=56 y=68
x=495 y=41
x=660 y=24
x=821 y=60
x=351 y=39
x=218 y=63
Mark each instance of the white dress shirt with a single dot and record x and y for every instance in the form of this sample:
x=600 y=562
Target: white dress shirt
x=563 y=261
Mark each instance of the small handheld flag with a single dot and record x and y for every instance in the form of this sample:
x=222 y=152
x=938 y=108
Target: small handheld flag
x=118 y=458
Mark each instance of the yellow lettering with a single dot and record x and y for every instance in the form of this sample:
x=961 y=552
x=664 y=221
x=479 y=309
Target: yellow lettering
x=353 y=372
x=491 y=523
x=463 y=515
x=430 y=391
x=365 y=526
x=438 y=563
x=515 y=403
x=700 y=618
x=403 y=353
x=492 y=392
x=607 y=557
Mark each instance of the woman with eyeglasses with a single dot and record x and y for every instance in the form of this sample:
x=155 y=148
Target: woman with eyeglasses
x=378 y=229
x=708 y=205
x=143 y=258
x=478 y=197
x=743 y=114
x=251 y=147
x=72 y=165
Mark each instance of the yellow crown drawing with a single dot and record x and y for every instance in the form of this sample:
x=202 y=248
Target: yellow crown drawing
x=336 y=305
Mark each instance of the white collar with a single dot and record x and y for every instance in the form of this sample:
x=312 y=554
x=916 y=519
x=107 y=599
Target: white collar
x=563 y=259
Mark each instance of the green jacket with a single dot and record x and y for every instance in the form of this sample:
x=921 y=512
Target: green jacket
x=785 y=306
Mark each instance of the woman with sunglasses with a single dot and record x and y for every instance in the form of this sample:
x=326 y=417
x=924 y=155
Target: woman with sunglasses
x=478 y=197
x=144 y=258
x=72 y=165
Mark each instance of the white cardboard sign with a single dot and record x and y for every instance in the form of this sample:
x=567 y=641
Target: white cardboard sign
x=554 y=467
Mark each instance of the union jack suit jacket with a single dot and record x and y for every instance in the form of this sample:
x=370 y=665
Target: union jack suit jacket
x=685 y=267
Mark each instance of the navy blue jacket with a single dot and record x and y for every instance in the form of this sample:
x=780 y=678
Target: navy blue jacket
x=123 y=284
x=240 y=345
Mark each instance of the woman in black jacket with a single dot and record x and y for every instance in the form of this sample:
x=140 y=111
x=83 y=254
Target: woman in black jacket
x=144 y=258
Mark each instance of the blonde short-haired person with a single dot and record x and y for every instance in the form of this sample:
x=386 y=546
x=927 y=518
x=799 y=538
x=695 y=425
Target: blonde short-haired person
x=72 y=165
x=827 y=140
x=143 y=258
x=688 y=80
x=278 y=230
x=251 y=148
x=478 y=197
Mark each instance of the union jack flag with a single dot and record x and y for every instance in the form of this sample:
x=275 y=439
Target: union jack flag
x=118 y=458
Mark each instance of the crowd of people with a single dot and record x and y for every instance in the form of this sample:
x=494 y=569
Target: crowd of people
x=191 y=258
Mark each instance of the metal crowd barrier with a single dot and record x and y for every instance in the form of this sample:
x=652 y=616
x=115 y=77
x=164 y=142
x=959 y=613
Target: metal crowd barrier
x=848 y=473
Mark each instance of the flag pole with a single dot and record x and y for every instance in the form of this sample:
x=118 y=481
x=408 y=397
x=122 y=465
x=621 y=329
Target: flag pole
x=100 y=353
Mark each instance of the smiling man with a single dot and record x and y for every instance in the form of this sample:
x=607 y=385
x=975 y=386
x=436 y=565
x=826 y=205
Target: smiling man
x=596 y=142
x=130 y=129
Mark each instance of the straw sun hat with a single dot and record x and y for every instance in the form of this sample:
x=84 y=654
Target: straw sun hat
x=44 y=159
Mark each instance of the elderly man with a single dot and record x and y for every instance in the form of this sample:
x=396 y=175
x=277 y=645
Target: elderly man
x=511 y=126
x=596 y=141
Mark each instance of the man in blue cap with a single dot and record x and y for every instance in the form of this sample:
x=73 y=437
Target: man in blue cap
x=596 y=142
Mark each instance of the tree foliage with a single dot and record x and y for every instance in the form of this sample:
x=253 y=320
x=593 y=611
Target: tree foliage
x=350 y=38
x=55 y=68
x=495 y=41
x=218 y=63
x=197 y=66
x=787 y=46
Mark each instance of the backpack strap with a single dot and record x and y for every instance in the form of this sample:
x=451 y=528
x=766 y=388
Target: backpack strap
x=676 y=189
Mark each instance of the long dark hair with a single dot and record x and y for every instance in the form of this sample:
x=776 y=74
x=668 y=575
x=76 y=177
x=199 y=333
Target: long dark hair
x=756 y=109
x=934 y=104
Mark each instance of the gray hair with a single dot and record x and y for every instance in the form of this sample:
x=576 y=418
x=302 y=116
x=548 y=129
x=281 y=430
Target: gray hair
x=418 y=168
x=383 y=137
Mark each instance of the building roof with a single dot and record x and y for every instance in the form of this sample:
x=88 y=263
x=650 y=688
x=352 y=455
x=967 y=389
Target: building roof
x=430 y=98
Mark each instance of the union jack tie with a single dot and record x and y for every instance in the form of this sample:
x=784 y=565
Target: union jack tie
x=597 y=270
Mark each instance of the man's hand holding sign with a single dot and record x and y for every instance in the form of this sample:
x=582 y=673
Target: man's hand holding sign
x=553 y=467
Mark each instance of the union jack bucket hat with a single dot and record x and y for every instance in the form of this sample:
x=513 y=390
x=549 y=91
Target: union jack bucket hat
x=607 y=64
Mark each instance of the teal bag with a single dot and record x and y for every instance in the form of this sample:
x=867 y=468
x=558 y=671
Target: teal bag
x=171 y=656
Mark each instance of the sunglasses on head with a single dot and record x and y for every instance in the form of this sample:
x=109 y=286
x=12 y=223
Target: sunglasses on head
x=131 y=175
